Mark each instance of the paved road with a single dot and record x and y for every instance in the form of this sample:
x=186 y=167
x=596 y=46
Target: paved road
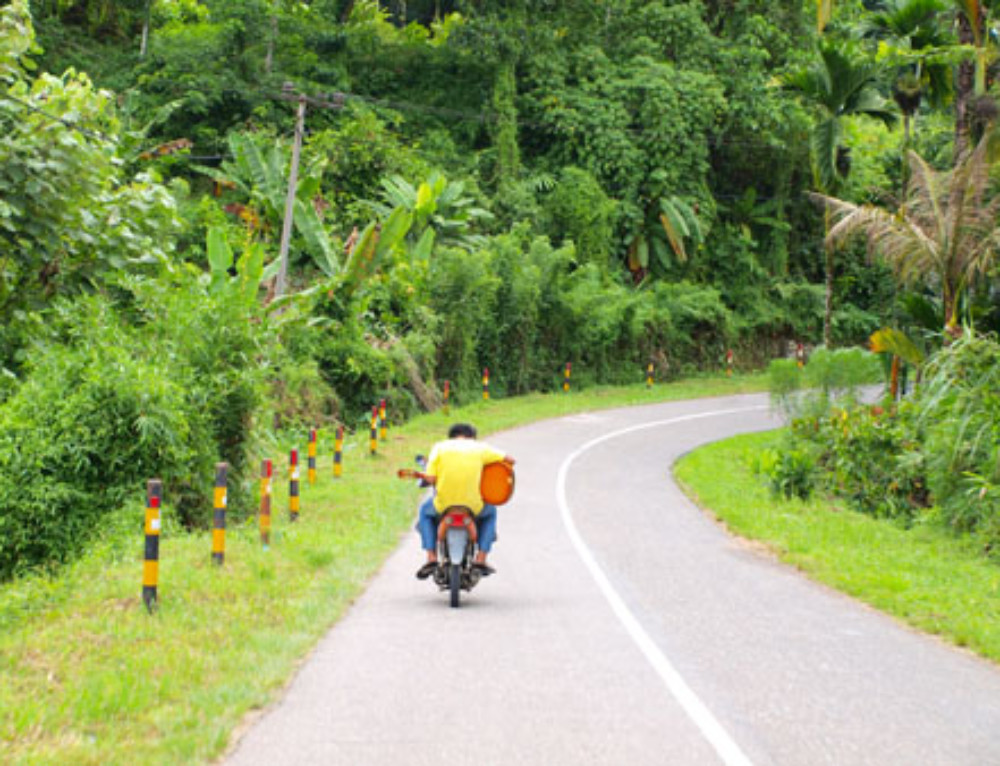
x=625 y=627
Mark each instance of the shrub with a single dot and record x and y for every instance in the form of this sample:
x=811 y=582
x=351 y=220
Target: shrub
x=843 y=371
x=960 y=410
x=790 y=471
x=218 y=348
x=870 y=458
x=89 y=425
x=579 y=210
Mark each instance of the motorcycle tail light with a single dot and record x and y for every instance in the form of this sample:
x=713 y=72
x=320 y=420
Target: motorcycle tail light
x=456 y=520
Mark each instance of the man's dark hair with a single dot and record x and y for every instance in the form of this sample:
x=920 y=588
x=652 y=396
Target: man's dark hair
x=462 y=430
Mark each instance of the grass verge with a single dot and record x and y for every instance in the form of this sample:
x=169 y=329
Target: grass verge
x=922 y=575
x=87 y=677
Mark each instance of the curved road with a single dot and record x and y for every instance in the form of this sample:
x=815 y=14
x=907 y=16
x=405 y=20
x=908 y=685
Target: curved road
x=625 y=627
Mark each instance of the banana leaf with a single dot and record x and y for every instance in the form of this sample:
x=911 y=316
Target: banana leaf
x=888 y=340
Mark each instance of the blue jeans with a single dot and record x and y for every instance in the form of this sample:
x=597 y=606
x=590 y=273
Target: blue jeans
x=429 y=518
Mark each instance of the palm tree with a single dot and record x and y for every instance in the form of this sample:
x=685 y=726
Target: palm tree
x=946 y=233
x=912 y=33
x=838 y=85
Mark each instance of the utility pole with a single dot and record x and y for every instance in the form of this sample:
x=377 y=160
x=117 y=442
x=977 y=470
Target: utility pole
x=293 y=182
x=329 y=101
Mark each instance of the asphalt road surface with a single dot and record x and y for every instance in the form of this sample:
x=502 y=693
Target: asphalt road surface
x=624 y=626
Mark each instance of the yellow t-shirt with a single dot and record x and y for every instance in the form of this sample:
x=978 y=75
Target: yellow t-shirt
x=458 y=466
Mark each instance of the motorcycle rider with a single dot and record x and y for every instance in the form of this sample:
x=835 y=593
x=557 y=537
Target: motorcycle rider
x=454 y=468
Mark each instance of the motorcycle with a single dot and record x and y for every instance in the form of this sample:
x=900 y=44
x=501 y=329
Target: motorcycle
x=457 y=535
x=457 y=546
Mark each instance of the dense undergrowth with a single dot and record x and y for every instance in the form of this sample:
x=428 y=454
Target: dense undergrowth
x=930 y=457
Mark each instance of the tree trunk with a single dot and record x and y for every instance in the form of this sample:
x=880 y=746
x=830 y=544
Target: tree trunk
x=828 y=307
x=271 y=40
x=965 y=85
x=828 y=298
x=144 y=46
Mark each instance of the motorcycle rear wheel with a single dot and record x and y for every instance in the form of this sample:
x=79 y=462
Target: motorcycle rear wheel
x=455 y=583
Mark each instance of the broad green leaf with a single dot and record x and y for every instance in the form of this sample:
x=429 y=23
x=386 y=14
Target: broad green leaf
x=889 y=340
x=393 y=230
x=250 y=268
x=318 y=241
x=220 y=255
x=425 y=246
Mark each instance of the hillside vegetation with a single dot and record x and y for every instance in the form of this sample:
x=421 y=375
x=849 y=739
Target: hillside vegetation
x=223 y=223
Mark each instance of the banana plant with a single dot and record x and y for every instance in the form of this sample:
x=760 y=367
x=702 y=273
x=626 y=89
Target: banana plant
x=260 y=174
x=437 y=205
x=250 y=271
x=374 y=246
x=669 y=223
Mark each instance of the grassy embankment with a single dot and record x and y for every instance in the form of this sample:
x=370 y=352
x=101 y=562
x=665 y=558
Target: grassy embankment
x=87 y=677
x=923 y=575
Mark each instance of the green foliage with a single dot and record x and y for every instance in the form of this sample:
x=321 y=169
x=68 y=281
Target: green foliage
x=437 y=205
x=17 y=40
x=870 y=458
x=790 y=472
x=960 y=410
x=360 y=151
x=259 y=174
x=216 y=344
x=69 y=214
x=92 y=421
x=578 y=209
x=842 y=372
x=785 y=379
x=939 y=447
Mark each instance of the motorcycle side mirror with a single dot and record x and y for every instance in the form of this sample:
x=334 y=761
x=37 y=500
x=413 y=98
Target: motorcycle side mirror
x=421 y=461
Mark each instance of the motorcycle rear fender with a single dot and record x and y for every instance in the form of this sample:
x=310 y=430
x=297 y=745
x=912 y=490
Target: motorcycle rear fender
x=456 y=540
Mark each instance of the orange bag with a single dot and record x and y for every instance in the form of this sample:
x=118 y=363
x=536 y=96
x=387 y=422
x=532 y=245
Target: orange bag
x=497 y=483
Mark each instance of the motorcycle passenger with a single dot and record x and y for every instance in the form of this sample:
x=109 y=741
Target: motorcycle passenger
x=454 y=468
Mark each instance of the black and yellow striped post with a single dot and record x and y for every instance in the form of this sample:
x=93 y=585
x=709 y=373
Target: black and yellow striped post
x=566 y=376
x=312 y=456
x=730 y=358
x=338 y=453
x=447 y=391
x=486 y=383
x=649 y=375
x=373 y=435
x=293 y=485
x=151 y=563
x=266 y=472
x=383 y=433
x=219 y=516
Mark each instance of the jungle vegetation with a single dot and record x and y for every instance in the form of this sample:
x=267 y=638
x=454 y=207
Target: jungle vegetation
x=478 y=183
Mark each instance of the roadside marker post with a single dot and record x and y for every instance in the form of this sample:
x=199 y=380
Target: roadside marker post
x=266 y=472
x=338 y=453
x=566 y=376
x=312 y=456
x=151 y=562
x=447 y=391
x=649 y=375
x=486 y=383
x=383 y=424
x=729 y=363
x=373 y=434
x=800 y=355
x=293 y=485
x=219 y=515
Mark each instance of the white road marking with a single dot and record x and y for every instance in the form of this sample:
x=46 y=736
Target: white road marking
x=712 y=730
